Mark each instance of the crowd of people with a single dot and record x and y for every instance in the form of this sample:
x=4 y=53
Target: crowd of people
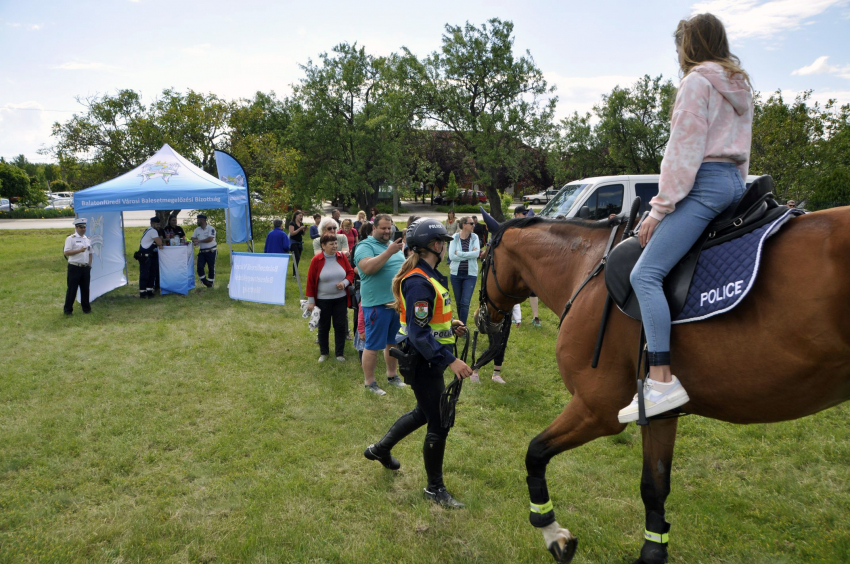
x=353 y=267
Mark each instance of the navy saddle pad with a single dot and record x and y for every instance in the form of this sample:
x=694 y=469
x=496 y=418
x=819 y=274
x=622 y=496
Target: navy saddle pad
x=708 y=281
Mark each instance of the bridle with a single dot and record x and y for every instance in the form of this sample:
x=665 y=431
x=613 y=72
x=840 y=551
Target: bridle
x=499 y=329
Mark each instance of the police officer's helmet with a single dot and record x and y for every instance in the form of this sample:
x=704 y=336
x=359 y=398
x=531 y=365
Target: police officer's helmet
x=423 y=231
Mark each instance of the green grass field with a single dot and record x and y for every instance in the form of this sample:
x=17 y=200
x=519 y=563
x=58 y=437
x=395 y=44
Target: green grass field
x=201 y=429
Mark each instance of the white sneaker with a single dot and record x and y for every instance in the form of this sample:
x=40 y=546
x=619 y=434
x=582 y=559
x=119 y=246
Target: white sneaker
x=323 y=358
x=341 y=358
x=655 y=400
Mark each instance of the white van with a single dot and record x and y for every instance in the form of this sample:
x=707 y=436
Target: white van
x=604 y=195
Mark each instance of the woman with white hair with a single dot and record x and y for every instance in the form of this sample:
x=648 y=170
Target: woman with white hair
x=329 y=225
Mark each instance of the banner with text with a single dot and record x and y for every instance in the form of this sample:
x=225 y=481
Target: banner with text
x=106 y=233
x=256 y=277
x=176 y=269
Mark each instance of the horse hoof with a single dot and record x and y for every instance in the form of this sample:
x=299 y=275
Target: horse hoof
x=564 y=547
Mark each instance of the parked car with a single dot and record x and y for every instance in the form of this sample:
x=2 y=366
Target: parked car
x=5 y=205
x=59 y=204
x=464 y=197
x=540 y=197
x=605 y=195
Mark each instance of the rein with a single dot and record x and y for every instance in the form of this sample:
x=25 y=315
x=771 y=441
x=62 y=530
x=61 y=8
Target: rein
x=592 y=274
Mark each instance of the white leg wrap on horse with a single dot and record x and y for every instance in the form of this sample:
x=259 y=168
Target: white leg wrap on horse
x=553 y=532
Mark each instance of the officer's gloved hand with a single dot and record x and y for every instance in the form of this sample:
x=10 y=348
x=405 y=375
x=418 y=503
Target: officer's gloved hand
x=459 y=328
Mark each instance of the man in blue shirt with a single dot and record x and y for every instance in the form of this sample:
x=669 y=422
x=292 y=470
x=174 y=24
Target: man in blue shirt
x=277 y=241
x=378 y=259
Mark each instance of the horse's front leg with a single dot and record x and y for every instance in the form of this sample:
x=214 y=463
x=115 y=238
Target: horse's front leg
x=575 y=426
x=659 y=437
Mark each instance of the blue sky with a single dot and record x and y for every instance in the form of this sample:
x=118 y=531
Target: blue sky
x=52 y=52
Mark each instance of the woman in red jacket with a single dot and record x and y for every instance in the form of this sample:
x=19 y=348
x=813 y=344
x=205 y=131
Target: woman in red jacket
x=327 y=279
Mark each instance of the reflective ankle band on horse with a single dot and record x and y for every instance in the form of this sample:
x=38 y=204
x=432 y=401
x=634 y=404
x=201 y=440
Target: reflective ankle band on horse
x=660 y=538
x=545 y=508
x=441 y=321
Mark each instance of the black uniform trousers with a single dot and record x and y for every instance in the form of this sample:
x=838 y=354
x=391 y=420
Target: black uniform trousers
x=78 y=277
x=148 y=273
x=206 y=257
x=335 y=310
x=428 y=386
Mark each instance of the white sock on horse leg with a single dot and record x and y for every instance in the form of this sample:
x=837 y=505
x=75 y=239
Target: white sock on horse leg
x=552 y=532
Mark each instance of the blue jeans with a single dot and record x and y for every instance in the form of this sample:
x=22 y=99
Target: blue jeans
x=717 y=186
x=463 y=286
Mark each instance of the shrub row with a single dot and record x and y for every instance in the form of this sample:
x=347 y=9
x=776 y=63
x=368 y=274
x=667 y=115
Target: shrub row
x=36 y=213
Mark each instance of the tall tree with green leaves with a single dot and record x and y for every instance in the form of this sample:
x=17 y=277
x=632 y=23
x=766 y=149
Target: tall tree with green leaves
x=629 y=137
x=494 y=104
x=352 y=120
x=117 y=133
x=16 y=184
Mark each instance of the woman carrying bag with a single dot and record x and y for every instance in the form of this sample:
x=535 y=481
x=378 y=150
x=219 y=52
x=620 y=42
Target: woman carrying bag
x=327 y=280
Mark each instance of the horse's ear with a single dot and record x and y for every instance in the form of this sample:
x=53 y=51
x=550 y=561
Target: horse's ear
x=491 y=223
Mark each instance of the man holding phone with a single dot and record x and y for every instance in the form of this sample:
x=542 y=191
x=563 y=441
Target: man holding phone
x=378 y=259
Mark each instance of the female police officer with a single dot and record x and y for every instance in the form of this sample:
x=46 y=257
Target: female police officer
x=422 y=300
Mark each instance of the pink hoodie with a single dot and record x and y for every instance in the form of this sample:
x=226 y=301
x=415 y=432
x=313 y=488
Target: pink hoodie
x=712 y=120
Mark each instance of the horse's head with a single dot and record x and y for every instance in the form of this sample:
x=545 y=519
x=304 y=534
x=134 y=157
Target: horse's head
x=497 y=295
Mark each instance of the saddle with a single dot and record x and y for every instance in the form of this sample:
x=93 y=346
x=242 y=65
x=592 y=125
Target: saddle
x=756 y=208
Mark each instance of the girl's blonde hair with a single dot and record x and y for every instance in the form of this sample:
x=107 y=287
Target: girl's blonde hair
x=361 y=216
x=346 y=224
x=703 y=38
x=411 y=262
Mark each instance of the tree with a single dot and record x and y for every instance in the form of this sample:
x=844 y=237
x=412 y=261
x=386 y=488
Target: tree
x=452 y=190
x=785 y=143
x=350 y=123
x=60 y=186
x=117 y=133
x=631 y=133
x=16 y=183
x=831 y=189
x=635 y=124
x=491 y=102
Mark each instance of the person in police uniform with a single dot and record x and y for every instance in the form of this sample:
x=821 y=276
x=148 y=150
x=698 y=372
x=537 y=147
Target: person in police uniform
x=204 y=238
x=78 y=252
x=149 y=259
x=422 y=300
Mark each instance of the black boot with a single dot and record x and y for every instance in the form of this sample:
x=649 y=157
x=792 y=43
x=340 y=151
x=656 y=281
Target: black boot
x=432 y=454
x=403 y=426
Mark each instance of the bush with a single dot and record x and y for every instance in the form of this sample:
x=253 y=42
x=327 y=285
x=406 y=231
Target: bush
x=388 y=208
x=36 y=213
x=463 y=209
x=60 y=186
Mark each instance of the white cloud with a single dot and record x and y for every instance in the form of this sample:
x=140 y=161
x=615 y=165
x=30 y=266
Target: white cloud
x=580 y=94
x=197 y=49
x=35 y=27
x=84 y=65
x=11 y=24
x=25 y=129
x=821 y=66
x=759 y=19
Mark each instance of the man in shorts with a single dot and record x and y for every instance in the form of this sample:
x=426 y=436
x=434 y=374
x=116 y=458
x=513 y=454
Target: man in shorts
x=378 y=260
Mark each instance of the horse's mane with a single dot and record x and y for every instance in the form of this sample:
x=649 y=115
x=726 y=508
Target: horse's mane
x=523 y=222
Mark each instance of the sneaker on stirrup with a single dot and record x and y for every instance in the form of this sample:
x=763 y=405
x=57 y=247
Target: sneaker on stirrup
x=657 y=399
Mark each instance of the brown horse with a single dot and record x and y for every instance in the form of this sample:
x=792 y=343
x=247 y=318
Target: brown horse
x=737 y=367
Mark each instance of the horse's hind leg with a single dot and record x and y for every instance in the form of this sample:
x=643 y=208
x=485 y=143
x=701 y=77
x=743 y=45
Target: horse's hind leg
x=659 y=437
x=575 y=426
